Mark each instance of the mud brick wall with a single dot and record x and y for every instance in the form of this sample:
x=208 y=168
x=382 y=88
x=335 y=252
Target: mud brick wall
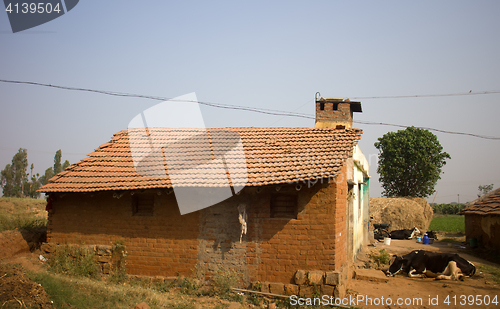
x=168 y=244
x=486 y=229
x=315 y=240
x=165 y=243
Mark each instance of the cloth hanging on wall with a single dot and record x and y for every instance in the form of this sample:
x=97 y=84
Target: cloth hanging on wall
x=242 y=217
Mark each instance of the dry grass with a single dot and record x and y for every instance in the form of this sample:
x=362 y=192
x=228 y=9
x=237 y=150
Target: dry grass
x=81 y=292
x=22 y=213
x=70 y=292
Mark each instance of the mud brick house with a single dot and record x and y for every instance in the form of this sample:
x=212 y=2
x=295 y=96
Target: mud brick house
x=482 y=220
x=304 y=193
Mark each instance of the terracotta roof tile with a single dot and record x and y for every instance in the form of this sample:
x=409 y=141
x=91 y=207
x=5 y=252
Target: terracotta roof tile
x=488 y=204
x=268 y=156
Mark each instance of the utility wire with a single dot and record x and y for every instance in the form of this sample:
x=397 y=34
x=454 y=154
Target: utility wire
x=427 y=95
x=268 y=111
x=426 y=128
x=121 y=94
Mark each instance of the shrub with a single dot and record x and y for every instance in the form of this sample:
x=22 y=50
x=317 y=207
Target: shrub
x=222 y=283
x=191 y=286
x=78 y=261
x=383 y=257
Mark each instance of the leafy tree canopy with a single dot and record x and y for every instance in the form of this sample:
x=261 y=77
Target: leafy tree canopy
x=57 y=162
x=410 y=162
x=14 y=176
x=15 y=180
x=484 y=189
x=49 y=173
x=65 y=165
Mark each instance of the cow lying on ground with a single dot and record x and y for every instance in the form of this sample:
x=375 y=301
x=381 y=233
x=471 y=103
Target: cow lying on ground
x=421 y=263
x=404 y=234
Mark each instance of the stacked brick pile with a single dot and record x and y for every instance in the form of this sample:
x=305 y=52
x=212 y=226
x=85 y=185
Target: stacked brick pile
x=310 y=283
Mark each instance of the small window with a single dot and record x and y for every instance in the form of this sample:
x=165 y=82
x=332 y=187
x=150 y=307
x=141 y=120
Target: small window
x=284 y=206
x=143 y=205
x=322 y=106
x=335 y=106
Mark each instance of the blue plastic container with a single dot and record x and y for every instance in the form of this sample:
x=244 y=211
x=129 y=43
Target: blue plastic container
x=425 y=240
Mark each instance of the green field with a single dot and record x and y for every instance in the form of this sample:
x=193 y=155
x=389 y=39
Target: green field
x=448 y=223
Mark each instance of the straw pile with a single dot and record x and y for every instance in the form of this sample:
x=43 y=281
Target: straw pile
x=401 y=213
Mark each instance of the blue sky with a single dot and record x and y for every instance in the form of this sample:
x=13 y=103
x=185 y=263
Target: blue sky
x=265 y=54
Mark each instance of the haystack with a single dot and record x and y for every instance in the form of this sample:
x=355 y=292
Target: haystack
x=401 y=213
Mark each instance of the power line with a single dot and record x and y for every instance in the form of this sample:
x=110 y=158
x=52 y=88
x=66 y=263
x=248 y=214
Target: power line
x=427 y=95
x=267 y=111
x=430 y=129
x=122 y=94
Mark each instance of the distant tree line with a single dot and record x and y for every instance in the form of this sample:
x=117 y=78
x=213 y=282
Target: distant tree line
x=17 y=182
x=447 y=209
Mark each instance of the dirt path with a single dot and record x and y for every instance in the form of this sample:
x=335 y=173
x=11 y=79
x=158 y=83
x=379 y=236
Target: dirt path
x=404 y=292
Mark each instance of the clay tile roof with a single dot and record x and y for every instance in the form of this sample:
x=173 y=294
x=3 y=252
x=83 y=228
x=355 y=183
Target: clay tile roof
x=488 y=204
x=195 y=157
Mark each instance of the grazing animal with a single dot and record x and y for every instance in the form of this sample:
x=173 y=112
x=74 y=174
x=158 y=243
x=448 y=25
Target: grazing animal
x=404 y=234
x=421 y=263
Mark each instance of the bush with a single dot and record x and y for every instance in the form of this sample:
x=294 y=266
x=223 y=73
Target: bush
x=222 y=283
x=383 y=257
x=78 y=261
x=191 y=286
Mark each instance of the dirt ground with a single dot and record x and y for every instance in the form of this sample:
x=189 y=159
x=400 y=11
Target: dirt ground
x=425 y=292
x=18 y=291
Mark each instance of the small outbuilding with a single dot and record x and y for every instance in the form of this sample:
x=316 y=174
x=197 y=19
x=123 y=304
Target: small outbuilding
x=297 y=198
x=482 y=221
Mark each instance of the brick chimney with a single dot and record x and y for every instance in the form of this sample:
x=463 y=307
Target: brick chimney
x=335 y=113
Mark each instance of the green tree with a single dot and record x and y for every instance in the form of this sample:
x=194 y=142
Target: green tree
x=14 y=176
x=484 y=189
x=49 y=173
x=7 y=181
x=410 y=162
x=65 y=165
x=57 y=162
x=33 y=185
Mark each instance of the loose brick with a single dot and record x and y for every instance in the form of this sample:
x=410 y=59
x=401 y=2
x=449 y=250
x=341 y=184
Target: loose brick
x=265 y=287
x=306 y=290
x=103 y=258
x=332 y=277
x=315 y=277
x=300 y=277
x=277 y=288
x=291 y=289
x=327 y=290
